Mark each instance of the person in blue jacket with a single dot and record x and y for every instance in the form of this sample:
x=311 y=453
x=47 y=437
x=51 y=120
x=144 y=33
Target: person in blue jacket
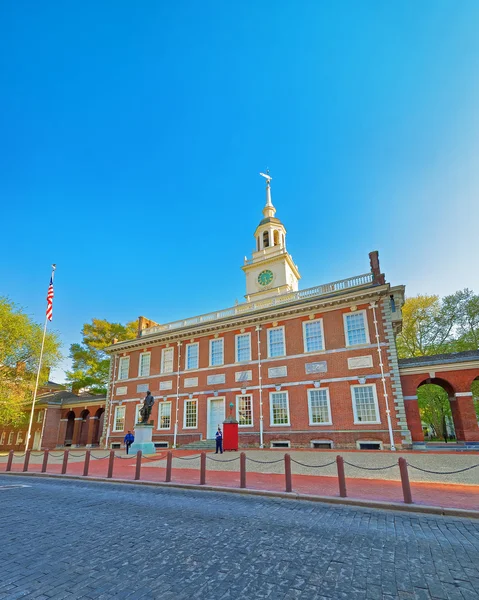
x=219 y=441
x=129 y=439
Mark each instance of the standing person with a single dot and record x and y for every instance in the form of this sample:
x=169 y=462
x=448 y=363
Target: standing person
x=129 y=439
x=219 y=441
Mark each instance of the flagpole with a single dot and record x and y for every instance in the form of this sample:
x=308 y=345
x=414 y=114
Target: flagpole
x=27 y=443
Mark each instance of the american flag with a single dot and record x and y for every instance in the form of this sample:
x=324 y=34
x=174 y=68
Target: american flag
x=50 y=300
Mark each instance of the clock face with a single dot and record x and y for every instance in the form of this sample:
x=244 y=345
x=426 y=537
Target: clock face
x=265 y=277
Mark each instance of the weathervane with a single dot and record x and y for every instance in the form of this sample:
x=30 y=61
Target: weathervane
x=266 y=175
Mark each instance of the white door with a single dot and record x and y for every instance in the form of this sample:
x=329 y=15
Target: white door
x=36 y=440
x=216 y=416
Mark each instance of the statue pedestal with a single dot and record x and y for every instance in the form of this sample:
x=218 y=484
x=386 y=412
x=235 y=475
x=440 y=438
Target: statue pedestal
x=143 y=434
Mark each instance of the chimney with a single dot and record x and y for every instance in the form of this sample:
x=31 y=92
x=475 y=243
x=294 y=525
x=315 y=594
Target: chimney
x=141 y=325
x=378 y=277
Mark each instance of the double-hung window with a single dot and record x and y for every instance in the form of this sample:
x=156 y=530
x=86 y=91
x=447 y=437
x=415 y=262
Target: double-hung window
x=144 y=369
x=40 y=416
x=10 y=438
x=216 y=352
x=20 y=437
x=164 y=415
x=119 y=420
x=191 y=414
x=319 y=407
x=243 y=347
x=279 y=408
x=313 y=335
x=167 y=355
x=244 y=410
x=192 y=356
x=365 y=404
x=2 y=438
x=355 y=328
x=276 y=346
x=137 y=412
x=123 y=367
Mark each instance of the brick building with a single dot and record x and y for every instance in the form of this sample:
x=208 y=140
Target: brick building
x=310 y=368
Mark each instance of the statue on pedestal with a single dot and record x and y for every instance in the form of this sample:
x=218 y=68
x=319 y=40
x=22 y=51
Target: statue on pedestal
x=145 y=410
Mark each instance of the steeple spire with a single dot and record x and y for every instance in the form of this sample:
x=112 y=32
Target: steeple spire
x=268 y=210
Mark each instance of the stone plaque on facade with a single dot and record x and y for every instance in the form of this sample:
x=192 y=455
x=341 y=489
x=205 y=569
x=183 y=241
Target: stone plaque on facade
x=316 y=367
x=121 y=391
x=166 y=385
x=360 y=362
x=142 y=387
x=212 y=379
x=278 y=372
x=243 y=375
x=191 y=382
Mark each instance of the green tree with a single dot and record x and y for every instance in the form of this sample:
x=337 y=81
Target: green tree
x=20 y=344
x=475 y=396
x=465 y=305
x=434 y=408
x=91 y=364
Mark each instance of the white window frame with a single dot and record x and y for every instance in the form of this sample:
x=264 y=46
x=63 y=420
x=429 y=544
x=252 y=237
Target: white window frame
x=305 y=343
x=248 y=335
x=188 y=346
x=366 y=327
x=237 y=409
x=127 y=360
x=140 y=374
x=40 y=416
x=376 y=404
x=222 y=340
x=195 y=400
x=10 y=438
x=19 y=439
x=272 y=424
x=2 y=438
x=137 y=412
x=310 y=408
x=164 y=352
x=115 y=418
x=271 y=329
x=160 y=406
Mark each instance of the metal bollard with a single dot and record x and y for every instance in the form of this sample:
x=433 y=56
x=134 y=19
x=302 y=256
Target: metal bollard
x=406 y=486
x=242 y=470
x=111 y=461
x=203 y=468
x=9 y=461
x=287 y=473
x=341 y=476
x=26 y=461
x=138 y=465
x=169 y=464
x=86 y=466
x=45 y=461
x=65 y=462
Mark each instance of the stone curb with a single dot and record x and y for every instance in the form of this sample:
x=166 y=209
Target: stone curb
x=413 y=508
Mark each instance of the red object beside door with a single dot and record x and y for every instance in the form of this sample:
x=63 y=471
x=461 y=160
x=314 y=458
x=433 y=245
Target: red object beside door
x=230 y=435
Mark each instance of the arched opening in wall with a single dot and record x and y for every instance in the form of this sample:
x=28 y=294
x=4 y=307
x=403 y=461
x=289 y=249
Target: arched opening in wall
x=436 y=399
x=257 y=243
x=70 y=427
x=98 y=426
x=265 y=239
x=276 y=237
x=84 y=426
x=475 y=396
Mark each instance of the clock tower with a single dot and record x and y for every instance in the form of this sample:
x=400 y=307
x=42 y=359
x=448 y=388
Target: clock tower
x=271 y=270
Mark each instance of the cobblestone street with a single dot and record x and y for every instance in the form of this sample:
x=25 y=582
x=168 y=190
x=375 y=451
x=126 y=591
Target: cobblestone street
x=65 y=539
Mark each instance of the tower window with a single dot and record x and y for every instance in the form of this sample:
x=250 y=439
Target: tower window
x=276 y=237
x=265 y=239
x=257 y=243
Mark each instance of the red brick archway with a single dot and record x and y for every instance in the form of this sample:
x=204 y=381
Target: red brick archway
x=455 y=374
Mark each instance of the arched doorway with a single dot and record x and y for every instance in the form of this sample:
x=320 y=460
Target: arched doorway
x=84 y=425
x=435 y=402
x=98 y=426
x=70 y=427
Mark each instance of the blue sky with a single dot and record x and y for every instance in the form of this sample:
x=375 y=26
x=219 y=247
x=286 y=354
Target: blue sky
x=132 y=135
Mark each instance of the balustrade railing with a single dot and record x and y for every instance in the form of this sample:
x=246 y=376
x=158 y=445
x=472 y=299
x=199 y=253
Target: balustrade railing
x=248 y=307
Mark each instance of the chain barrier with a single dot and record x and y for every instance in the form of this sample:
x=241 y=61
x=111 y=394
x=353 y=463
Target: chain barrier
x=80 y=455
x=153 y=458
x=36 y=453
x=56 y=455
x=370 y=468
x=442 y=472
x=99 y=457
x=19 y=455
x=263 y=462
x=126 y=457
x=333 y=462
x=222 y=461
x=187 y=457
